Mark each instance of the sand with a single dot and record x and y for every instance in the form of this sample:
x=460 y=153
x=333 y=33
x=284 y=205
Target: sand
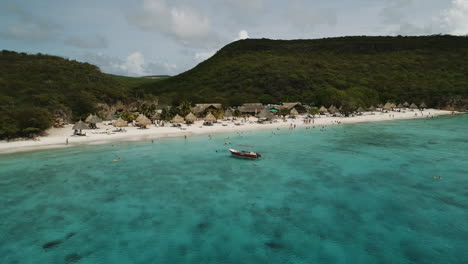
x=57 y=137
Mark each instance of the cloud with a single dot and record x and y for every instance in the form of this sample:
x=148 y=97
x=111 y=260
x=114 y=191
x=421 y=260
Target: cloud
x=92 y=42
x=455 y=19
x=181 y=23
x=133 y=65
x=29 y=27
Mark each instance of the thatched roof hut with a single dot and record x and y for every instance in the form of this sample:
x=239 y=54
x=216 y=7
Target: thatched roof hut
x=156 y=116
x=177 y=119
x=190 y=117
x=323 y=110
x=388 y=106
x=228 y=113
x=372 y=108
x=80 y=125
x=110 y=117
x=89 y=118
x=210 y=118
x=294 y=112
x=422 y=105
x=120 y=123
x=251 y=108
x=265 y=114
x=333 y=110
x=360 y=110
x=95 y=119
x=142 y=120
x=413 y=106
x=379 y=105
x=400 y=106
x=405 y=104
x=200 y=108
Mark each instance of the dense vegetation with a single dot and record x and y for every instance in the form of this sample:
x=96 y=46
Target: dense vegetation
x=356 y=70
x=33 y=87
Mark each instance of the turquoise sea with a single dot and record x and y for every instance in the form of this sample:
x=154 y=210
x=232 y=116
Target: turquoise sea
x=362 y=193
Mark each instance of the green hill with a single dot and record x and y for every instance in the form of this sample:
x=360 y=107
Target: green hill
x=360 y=70
x=34 y=87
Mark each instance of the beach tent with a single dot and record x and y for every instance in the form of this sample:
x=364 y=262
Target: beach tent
x=372 y=108
x=423 y=105
x=265 y=114
x=413 y=106
x=405 y=104
x=143 y=121
x=228 y=113
x=294 y=112
x=89 y=118
x=80 y=125
x=177 y=119
x=120 y=123
x=190 y=118
x=323 y=110
x=210 y=118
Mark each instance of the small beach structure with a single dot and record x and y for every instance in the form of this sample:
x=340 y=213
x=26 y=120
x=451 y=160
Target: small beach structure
x=400 y=106
x=228 y=113
x=265 y=114
x=143 y=121
x=190 y=118
x=295 y=105
x=79 y=127
x=88 y=118
x=93 y=121
x=201 y=109
x=110 y=117
x=413 y=106
x=372 y=108
x=406 y=105
x=360 y=110
x=293 y=112
x=380 y=106
x=210 y=118
x=120 y=123
x=177 y=119
x=156 y=116
x=323 y=110
x=388 y=106
x=423 y=105
x=333 y=110
x=251 y=108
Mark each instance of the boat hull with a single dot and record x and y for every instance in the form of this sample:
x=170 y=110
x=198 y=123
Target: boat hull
x=242 y=154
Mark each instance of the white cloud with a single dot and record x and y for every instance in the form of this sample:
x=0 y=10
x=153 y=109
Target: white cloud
x=201 y=56
x=133 y=64
x=455 y=19
x=243 y=34
x=182 y=23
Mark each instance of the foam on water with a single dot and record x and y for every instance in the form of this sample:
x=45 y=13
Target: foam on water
x=360 y=193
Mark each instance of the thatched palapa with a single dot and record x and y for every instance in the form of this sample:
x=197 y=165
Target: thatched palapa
x=253 y=108
x=388 y=106
x=177 y=119
x=89 y=118
x=405 y=104
x=80 y=125
x=323 y=110
x=120 y=123
x=95 y=119
x=293 y=112
x=190 y=118
x=360 y=109
x=423 y=105
x=143 y=121
x=333 y=110
x=210 y=118
x=228 y=113
x=265 y=114
x=413 y=106
x=200 y=108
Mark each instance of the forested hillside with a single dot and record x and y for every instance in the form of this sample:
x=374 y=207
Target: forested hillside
x=363 y=70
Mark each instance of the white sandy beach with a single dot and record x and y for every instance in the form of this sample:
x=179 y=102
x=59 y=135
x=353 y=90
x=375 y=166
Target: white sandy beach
x=57 y=137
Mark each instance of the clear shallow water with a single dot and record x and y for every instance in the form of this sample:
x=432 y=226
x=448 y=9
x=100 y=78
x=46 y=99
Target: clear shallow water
x=361 y=193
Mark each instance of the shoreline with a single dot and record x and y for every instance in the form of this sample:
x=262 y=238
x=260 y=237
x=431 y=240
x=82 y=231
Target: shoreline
x=57 y=137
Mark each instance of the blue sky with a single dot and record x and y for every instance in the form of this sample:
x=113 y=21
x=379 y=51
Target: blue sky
x=143 y=37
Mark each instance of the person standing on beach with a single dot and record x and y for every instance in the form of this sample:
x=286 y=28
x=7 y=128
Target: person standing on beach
x=66 y=141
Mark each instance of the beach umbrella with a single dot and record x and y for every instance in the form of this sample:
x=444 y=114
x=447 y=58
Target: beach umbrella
x=120 y=123
x=80 y=125
x=210 y=118
x=323 y=110
x=273 y=110
x=89 y=118
x=388 y=106
x=142 y=120
x=413 y=106
x=293 y=112
x=423 y=105
x=95 y=119
x=405 y=104
x=190 y=117
x=177 y=119
x=228 y=113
